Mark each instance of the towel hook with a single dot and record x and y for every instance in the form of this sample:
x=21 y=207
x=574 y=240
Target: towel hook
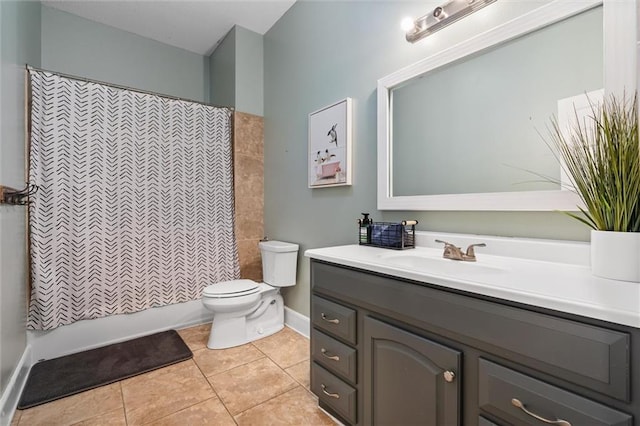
x=17 y=197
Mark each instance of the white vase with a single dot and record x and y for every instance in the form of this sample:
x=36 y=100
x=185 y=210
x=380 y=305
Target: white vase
x=616 y=255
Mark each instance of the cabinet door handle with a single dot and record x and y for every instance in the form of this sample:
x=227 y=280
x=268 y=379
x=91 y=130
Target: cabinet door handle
x=517 y=403
x=449 y=376
x=332 y=395
x=332 y=321
x=324 y=353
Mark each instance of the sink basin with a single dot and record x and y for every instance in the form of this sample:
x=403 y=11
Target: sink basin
x=439 y=265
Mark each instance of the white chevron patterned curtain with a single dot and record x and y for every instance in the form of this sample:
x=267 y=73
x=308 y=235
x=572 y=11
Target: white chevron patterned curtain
x=135 y=202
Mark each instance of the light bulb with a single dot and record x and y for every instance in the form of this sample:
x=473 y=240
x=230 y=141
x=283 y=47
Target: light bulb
x=407 y=24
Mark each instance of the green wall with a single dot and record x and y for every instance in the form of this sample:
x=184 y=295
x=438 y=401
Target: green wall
x=236 y=68
x=249 y=71
x=222 y=66
x=321 y=52
x=80 y=47
x=19 y=44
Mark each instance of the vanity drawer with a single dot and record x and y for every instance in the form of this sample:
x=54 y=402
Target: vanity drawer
x=334 y=392
x=336 y=356
x=501 y=390
x=336 y=319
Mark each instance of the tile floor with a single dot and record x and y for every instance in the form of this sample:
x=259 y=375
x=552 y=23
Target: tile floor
x=261 y=383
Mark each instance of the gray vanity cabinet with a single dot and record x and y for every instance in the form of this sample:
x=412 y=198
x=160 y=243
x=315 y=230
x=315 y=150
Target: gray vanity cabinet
x=391 y=351
x=412 y=380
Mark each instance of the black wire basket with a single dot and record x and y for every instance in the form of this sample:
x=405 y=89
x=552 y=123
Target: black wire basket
x=391 y=235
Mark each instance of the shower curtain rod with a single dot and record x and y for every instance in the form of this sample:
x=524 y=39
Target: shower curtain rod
x=118 y=86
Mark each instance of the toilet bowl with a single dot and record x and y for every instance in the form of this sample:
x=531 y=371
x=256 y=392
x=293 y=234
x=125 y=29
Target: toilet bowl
x=244 y=310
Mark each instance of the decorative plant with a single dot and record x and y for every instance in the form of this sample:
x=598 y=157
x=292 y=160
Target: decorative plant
x=602 y=156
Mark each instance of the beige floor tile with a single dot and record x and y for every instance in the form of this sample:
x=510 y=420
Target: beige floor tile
x=16 y=417
x=251 y=384
x=300 y=372
x=196 y=337
x=75 y=408
x=112 y=418
x=214 y=361
x=209 y=412
x=156 y=394
x=295 y=407
x=285 y=348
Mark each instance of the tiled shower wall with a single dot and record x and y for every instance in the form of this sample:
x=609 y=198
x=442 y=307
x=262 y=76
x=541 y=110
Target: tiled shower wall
x=249 y=191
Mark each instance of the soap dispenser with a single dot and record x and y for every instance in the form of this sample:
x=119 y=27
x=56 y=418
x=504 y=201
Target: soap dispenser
x=365 y=229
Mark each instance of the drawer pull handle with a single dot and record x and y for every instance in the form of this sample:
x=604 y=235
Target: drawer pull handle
x=517 y=403
x=333 y=395
x=332 y=321
x=331 y=357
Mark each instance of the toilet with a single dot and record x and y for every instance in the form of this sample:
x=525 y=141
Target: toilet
x=244 y=310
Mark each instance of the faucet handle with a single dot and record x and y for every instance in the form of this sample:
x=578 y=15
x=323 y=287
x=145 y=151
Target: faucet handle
x=451 y=251
x=446 y=244
x=471 y=254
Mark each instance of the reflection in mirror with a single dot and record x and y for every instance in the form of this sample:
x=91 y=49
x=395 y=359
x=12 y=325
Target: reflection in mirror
x=478 y=125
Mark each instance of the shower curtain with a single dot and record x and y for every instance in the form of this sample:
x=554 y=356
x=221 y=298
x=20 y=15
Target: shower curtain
x=134 y=207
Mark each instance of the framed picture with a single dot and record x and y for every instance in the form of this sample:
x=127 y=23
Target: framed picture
x=329 y=159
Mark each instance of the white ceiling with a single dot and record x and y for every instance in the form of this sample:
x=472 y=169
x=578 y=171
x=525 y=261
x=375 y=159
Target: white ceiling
x=196 y=26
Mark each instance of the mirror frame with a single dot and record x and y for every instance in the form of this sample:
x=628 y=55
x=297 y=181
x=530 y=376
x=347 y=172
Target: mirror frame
x=619 y=20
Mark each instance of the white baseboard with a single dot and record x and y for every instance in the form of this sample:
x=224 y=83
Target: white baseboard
x=90 y=334
x=11 y=395
x=297 y=322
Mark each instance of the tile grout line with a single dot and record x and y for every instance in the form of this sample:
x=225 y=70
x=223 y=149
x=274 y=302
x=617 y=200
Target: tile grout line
x=124 y=408
x=213 y=388
x=272 y=398
x=182 y=409
x=204 y=376
x=221 y=400
x=216 y=395
x=234 y=367
x=290 y=375
x=227 y=410
x=299 y=384
x=284 y=368
x=192 y=405
x=273 y=360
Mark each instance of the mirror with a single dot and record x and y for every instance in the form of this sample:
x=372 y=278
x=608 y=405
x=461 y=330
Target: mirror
x=462 y=130
x=473 y=126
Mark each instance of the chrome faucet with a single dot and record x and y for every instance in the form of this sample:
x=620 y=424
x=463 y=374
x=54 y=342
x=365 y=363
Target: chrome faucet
x=455 y=253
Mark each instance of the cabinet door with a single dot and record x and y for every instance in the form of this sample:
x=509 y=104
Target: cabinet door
x=405 y=380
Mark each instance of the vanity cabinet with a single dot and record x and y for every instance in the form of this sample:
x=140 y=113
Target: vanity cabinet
x=388 y=350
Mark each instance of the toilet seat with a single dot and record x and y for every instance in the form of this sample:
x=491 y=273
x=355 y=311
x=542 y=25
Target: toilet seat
x=231 y=289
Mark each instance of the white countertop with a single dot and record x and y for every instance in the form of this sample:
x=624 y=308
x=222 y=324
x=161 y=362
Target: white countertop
x=564 y=287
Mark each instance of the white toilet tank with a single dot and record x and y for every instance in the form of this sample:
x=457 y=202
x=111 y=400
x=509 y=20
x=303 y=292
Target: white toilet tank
x=279 y=262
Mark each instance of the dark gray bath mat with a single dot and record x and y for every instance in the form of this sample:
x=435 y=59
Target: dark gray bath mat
x=59 y=377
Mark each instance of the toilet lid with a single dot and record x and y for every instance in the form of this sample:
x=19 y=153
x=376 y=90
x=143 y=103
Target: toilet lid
x=233 y=288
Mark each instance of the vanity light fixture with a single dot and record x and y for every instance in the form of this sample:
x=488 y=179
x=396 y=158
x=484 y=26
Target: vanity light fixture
x=442 y=16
